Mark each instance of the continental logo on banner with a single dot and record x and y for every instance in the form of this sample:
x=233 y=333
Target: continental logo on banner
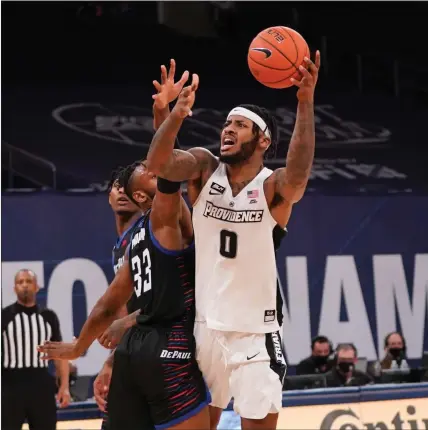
x=394 y=419
x=408 y=414
x=229 y=215
x=89 y=424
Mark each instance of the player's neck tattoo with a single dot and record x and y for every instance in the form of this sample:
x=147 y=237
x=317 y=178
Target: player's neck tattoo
x=237 y=187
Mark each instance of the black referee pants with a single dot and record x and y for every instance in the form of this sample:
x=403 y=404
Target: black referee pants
x=28 y=397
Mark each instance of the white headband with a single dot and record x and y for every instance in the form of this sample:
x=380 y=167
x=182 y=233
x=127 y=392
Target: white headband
x=246 y=113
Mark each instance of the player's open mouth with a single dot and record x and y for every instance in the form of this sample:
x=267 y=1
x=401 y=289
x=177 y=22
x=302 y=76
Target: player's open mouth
x=122 y=200
x=227 y=144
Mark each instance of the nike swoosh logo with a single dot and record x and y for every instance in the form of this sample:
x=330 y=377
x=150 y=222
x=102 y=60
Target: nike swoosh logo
x=215 y=193
x=249 y=358
x=265 y=51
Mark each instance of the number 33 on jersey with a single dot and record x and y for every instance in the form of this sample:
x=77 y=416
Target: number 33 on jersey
x=136 y=270
x=163 y=279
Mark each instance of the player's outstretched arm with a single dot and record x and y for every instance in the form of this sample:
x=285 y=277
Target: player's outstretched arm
x=170 y=220
x=291 y=181
x=102 y=315
x=167 y=92
x=113 y=335
x=162 y=159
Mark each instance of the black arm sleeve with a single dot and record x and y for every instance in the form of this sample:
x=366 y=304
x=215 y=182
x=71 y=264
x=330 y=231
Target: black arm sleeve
x=168 y=187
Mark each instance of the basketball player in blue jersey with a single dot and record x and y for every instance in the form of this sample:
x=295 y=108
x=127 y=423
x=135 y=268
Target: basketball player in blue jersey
x=237 y=203
x=155 y=372
x=127 y=215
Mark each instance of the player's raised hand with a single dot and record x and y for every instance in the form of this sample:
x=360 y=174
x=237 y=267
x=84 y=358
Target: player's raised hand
x=306 y=86
x=186 y=99
x=59 y=351
x=167 y=89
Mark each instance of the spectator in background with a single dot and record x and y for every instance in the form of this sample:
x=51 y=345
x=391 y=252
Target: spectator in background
x=395 y=352
x=344 y=374
x=318 y=362
x=28 y=390
x=395 y=356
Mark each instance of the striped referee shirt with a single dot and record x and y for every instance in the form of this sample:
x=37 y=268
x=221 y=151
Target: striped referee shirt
x=23 y=329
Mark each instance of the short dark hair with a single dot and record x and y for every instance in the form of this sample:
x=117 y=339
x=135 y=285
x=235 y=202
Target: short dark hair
x=125 y=178
x=114 y=177
x=271 y=123
x=346 y=346
x=321 y=339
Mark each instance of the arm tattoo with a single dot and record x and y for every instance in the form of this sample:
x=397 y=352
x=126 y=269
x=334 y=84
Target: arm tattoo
x=131 y=319
x=110 y=359
x=181 y=160
x=180 y=167
x=159 y=156
x=302 y=147
x=165 y=161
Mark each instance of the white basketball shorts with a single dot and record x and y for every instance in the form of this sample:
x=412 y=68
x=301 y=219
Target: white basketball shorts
x=248 y=367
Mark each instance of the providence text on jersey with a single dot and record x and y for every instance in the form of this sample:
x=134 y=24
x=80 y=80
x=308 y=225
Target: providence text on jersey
x=229 y=215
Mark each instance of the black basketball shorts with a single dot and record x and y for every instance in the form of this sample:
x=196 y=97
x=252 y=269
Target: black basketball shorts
x=156 y=382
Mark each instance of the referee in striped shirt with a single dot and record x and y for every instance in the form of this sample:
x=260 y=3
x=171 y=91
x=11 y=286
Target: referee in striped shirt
x=28 y=389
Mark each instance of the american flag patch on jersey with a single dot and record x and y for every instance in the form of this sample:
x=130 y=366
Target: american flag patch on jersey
x=253 y=194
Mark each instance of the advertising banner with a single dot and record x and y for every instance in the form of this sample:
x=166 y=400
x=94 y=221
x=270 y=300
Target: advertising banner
x=409 y=414
x=364 y=145
x=75 y=425
x=353 y=269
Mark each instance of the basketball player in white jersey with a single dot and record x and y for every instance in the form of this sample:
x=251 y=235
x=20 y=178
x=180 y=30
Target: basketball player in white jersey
x=237 y=202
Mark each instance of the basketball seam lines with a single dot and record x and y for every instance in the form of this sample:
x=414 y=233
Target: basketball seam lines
x=273 y=46
x=291 y=37
x=277 y=82
x=269 y=67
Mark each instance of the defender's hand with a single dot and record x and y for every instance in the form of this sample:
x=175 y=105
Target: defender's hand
x=111 y=337
x=186 y=99
x=63 y=397
x=59 y=351
x=101 y=386
x=168 y=90
x=306 y=86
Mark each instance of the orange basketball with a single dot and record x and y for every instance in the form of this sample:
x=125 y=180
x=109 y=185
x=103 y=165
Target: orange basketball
x=275 y=55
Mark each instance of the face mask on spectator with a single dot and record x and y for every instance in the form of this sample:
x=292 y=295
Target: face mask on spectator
x=345 y=366
x=320 y=360
x=395 y=352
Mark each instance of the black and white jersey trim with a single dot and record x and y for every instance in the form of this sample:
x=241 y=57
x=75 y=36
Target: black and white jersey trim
x=20 y=340
x=23 y=329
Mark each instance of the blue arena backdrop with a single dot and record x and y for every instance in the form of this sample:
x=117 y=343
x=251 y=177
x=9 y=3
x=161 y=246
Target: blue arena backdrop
x=365 y=144
x=351 y=268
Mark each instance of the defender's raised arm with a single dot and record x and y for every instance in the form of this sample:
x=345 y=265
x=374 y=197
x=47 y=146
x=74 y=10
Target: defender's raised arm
x=162 y=158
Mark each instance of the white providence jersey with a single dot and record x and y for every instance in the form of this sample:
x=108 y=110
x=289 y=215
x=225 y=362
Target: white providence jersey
x=236 y=275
